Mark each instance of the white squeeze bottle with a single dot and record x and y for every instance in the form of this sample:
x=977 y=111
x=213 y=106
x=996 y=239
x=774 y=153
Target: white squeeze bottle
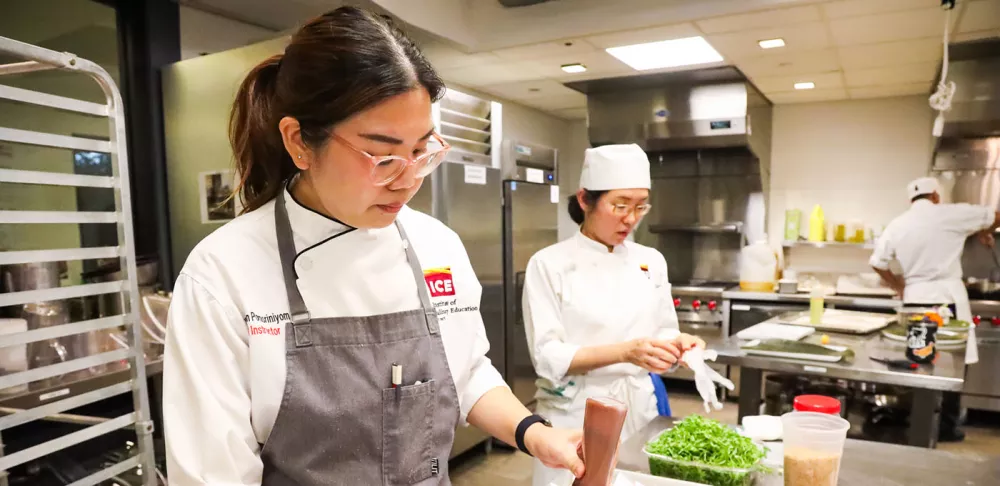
x=816 y=305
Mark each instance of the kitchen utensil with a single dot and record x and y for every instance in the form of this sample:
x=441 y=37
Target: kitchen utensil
x=814 y=445
x=896 y=364
x=771 y=330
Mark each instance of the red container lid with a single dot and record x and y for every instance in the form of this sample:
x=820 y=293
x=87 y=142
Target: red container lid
x=817 y=403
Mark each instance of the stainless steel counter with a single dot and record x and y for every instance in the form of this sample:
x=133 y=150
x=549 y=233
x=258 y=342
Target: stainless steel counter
x=947 y=374
x=831 y=300
x=928 y=382
x=864 y=463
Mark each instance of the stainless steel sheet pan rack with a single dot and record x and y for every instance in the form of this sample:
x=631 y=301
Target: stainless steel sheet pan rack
x=28 y=59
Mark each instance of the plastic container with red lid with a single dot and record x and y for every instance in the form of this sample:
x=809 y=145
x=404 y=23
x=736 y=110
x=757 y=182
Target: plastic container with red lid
x=817 y=403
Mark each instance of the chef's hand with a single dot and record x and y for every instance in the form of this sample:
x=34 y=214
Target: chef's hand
x=987 y=239
x=686 y=342
x=556 y=448
x=655 y=355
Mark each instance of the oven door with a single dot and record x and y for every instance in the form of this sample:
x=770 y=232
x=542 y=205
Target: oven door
x=982 y=386
x=744 y=314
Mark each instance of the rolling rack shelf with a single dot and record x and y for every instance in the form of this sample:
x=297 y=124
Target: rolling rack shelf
x=132 y=368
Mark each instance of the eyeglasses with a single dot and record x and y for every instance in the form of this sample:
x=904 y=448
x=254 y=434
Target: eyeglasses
x=639 y=210
x=386 y=168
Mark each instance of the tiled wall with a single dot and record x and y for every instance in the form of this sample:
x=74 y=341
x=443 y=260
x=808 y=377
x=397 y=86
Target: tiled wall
x=852 y=157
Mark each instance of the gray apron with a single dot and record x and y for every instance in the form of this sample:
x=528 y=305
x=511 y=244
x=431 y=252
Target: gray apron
x=340 y=421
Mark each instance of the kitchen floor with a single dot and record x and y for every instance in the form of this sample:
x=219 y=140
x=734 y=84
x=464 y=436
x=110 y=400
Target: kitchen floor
x=509 y=468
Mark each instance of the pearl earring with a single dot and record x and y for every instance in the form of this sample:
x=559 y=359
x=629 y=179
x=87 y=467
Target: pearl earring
x=300 y=156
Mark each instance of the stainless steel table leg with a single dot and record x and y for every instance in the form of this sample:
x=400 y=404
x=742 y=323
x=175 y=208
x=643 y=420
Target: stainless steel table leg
x=750 y=389
x=925 y=418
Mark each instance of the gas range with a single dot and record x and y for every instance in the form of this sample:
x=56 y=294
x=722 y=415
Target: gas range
x=985 y=313
x=700 y=302
x=982 y=386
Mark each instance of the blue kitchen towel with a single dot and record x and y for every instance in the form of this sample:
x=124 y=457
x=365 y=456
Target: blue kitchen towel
x=660 y=390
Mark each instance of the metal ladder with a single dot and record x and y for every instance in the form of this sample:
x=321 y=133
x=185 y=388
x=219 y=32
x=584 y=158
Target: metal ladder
x=40 y=59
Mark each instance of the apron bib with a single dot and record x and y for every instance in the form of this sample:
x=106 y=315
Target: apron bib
x=340 y=421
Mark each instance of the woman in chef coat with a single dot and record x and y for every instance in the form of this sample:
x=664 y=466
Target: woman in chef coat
x=330 y=335
x=598 y=312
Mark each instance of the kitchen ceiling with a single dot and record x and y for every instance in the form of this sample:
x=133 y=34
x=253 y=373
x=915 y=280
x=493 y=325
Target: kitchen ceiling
x=850 y=49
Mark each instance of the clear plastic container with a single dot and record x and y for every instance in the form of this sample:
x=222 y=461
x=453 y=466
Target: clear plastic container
x=695 y=472
x=814 y=445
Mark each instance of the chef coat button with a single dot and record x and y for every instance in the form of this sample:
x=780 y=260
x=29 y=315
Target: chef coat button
x=306 y=264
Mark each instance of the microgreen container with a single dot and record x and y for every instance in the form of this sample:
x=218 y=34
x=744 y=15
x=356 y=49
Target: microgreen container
x=695 y=472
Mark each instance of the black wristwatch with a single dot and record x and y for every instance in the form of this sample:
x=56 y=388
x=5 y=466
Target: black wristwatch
x=523 y=427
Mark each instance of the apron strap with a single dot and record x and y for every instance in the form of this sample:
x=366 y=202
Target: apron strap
x=430 y=314
x=286 y=252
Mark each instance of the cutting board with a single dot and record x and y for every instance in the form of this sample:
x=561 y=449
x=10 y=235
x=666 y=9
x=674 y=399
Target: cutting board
x=836 y=320
x=773 y=330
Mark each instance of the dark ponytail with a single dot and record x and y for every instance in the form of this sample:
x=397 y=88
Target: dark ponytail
x=336 y=65
x=260 y=154
x=576 y=212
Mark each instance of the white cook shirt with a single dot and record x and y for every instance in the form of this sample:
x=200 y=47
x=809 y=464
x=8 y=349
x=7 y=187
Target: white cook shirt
x=928 y=240
x=224 y=369
x=557 y=272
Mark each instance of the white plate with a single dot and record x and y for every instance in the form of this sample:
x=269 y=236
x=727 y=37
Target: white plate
x=773 y=330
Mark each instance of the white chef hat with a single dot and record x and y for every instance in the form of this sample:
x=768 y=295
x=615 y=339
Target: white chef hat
x=923 y=185
x=615 y=167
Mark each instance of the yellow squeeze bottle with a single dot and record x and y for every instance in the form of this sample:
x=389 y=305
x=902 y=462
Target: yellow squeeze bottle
x=816 y=306
x=817 y=225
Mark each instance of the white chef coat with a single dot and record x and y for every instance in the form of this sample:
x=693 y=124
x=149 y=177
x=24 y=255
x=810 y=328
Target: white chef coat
x=577 y=293
x=928 y=240
x=224 y=369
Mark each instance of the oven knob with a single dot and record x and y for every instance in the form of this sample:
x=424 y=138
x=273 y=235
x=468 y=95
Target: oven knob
x=696 y=304
x=712 y=305
x=977 y=320
x=995 y=321
x=677 y=301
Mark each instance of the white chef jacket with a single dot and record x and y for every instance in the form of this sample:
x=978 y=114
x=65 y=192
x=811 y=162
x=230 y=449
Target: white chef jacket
x=928 y=240
x=581 y=274
x=224 y=369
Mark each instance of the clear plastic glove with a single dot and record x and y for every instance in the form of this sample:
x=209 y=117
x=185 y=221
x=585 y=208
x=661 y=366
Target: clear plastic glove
x=705 y=377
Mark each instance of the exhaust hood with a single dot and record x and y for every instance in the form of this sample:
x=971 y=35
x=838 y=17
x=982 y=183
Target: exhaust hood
x=975 y=108
x=688 y=110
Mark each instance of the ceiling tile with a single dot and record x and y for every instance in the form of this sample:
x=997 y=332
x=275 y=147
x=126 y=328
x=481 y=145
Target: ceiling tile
x=856 y=8
x=790 y=63
x=870 y=29
x=905 y=74
x=569 y=47
x=641 y=36
x=598 y=63
x=807 y=96
x=443 y=56
x=772 y=84
x=977 y=35
x=571 y=113
x=891 y=53
x=804 y=37
x=889 y=91
x=981 y=15
x=757 y=20
x=561 y=102
x=491 y=74
x=528 y=89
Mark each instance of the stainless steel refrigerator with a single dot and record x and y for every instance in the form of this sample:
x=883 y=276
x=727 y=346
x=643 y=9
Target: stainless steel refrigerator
x=530 y=220
x=467 y=198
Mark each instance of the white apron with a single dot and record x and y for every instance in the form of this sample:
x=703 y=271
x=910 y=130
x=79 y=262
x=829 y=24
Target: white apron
x=948 y=291
x=609 y=301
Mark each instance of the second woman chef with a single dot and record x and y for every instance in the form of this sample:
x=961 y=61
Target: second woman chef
x=598 y=312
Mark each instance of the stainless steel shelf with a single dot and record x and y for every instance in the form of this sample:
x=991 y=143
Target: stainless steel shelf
x=69 y=389
x=730 y=227
x=827 y=244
